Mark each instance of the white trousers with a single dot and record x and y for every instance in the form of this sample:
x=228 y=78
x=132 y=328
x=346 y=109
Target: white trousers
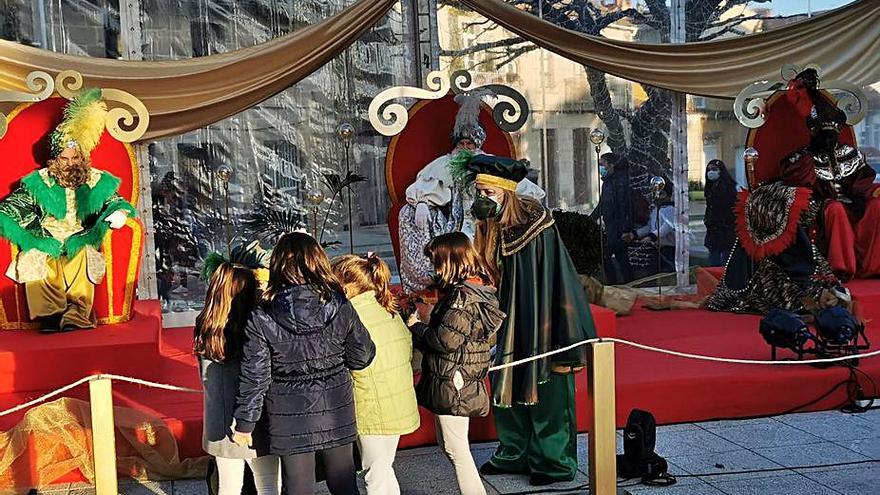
x=266 y=469
x=452 y=437
x=377 y=458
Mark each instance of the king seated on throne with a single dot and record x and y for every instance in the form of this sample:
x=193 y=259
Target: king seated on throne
x=842 y=184
x=439 y=200
x=58 y=217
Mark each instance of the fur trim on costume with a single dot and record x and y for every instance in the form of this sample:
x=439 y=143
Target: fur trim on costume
x=95 y=236
x=90 y=200
x=767 y=219
x=51 y=199
x=24 y=240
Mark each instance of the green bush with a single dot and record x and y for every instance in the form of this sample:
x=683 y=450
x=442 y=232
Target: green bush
x=582 y=238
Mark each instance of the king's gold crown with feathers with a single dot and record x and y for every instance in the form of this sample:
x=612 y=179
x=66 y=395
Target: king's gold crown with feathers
x=83 y=124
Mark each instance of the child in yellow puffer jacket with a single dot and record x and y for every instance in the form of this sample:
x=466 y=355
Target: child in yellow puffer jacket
x=385 y=399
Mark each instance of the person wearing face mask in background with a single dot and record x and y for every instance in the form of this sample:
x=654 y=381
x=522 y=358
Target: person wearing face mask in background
x=616 y=209
x=719 y=218
x=539 y=290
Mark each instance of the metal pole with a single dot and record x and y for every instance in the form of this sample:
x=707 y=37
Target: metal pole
x=103 y=436
x=659 y=265
x=41 y=16
x=228 y=226
x=679 y=138
x=601 y=221
x=347 y=173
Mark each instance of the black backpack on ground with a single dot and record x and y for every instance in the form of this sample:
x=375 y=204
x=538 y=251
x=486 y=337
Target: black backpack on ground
x=639 y=459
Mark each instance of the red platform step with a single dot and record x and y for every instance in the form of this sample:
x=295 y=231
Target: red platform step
x=32 y=361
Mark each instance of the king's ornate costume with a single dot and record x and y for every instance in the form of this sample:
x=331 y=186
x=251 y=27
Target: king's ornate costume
x=439 y=200
x=816 y=223
x=849 y=223
x=58 y=217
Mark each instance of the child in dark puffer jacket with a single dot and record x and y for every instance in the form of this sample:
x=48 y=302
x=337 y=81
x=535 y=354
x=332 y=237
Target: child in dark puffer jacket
x=299 y=350
x=456 y=342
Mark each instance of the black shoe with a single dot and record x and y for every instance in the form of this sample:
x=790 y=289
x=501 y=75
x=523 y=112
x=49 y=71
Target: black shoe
x=50 y=324
x=539 y=479
x=489 y=469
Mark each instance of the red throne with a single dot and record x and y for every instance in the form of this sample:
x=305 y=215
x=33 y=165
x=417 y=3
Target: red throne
x=23 y=149
x=783 y=133
x=427 y=135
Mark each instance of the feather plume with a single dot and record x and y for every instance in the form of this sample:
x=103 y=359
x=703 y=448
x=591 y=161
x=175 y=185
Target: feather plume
x=84 y=120
x=468 y=116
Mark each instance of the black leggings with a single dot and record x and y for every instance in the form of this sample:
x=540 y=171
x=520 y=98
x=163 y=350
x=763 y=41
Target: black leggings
x=298 y=472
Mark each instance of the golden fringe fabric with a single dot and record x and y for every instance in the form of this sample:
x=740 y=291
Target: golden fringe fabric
x=188 y=94
x=54 y=439
x=183 y=95
x=845 y=43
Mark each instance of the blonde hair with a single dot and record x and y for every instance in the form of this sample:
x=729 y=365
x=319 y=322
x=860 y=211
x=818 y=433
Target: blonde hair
x=298 y=259
x=359 y=274
x=220 y=326
x=455 y=259
x=514 y=212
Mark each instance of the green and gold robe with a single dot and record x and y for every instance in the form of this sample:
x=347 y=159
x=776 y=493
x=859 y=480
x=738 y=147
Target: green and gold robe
x=546 y=309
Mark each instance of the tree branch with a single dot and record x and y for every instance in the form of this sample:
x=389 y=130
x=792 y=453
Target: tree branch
x=482 y=46
x=734 y=25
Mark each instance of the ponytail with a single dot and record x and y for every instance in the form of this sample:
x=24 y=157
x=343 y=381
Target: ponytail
x=359 y=274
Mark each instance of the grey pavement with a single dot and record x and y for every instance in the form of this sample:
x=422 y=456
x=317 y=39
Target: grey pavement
x=783 y=455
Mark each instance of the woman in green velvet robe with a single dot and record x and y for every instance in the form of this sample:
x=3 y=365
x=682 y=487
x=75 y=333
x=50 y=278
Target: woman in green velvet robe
x=533 y=403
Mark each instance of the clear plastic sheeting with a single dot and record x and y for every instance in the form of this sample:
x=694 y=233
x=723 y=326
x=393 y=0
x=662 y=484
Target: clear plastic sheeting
x=76 y=27
x=568 y=100
x=278 y=150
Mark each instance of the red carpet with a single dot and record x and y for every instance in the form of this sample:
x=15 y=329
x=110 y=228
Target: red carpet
x=674 y=389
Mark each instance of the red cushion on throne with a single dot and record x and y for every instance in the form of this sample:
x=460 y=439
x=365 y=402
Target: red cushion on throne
x=784 y=132
x=427 y=135
x=24 y=149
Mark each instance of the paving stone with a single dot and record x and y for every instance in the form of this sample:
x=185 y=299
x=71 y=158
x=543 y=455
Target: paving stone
x=794 y=484
x=720 y=463
x=850 y=480
x=810 y=455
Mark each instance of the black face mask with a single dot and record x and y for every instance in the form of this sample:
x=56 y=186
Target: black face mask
x=484 y=208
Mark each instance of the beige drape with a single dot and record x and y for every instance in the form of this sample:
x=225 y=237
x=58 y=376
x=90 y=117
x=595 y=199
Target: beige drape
x=845 y=43
x=183 y=95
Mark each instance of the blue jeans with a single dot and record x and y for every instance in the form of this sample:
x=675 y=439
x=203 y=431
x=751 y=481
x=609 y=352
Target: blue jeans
x=718 y=258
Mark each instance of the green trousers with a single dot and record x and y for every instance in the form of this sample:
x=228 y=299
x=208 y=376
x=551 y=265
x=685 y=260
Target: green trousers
x=541 y=438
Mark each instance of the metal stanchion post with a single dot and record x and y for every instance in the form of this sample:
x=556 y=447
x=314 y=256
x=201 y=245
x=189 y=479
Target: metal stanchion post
x=657 y=185
x=103 y=436
x=345 y=133
x=597 y=137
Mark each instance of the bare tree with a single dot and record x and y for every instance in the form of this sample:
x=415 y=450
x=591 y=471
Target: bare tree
x=642 y=134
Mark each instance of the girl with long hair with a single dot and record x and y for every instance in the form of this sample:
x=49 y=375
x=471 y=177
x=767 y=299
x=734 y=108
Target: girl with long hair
x=217 y=341
x=456 y=341
x=384 y=395
x=547 y=310
x=299 y=349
